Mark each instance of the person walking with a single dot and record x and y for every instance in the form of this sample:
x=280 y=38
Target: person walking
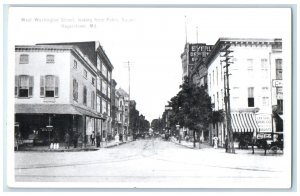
x=93 y=138
x=75 y=139
x=215 y=140
x=226 y=144
x=67 y=140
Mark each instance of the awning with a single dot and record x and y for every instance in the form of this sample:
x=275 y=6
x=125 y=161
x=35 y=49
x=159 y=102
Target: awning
x=243 y=122
x=53 y=109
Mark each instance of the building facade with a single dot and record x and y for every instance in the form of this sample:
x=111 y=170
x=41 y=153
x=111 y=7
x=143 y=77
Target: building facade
x=93 y=51
x=122 y=103
x=255 y=65
x=192 y=58
x=55 y=93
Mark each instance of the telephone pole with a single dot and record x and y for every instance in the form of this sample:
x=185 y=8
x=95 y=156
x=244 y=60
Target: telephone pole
x=227 y=61
x=128 y=63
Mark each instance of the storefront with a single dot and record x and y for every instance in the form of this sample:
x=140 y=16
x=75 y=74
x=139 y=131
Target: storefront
x=42 y=124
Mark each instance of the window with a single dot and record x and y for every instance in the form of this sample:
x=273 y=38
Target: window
x=24 y=59
x=217 y=100
x=280 y=106
x=250 y=97
x=210 y=80
x=23 y=86
x=108 y=109
x=104 y=87
x=84 y=95
x=50 y=58
x=75 y=64
x=278 y=63
x=265 y=101
x=104 y=70
x=213 y=76
x=250 y=65
x=217 y=75
x=93 y=81
x=93 y=99
x=49 y=86
x=75 y=90
x=104 y=106
x=85 y=73
x=108 y=92
x=98 y=84
x=98 y=104
x=108 y=75
x=264 y=65
x=98 y=63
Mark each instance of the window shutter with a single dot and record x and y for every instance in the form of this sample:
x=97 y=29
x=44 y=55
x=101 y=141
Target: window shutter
x=42 y=86
x=56 y=86
x=74 y=89
x=30 y=93
x=16 y=86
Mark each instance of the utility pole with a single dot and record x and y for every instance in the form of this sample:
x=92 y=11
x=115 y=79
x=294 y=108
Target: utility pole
x=128 y=63
x=227 y=96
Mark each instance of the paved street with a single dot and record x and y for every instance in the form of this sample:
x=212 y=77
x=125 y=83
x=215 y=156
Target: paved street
x=151 y=163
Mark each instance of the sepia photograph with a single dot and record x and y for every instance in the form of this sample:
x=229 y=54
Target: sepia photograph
x=149 y=97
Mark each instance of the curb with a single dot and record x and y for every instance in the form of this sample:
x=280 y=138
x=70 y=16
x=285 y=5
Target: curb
x=119 y=144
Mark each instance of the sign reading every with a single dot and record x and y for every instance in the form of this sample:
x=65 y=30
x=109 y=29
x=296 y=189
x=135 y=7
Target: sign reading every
x=198 y=51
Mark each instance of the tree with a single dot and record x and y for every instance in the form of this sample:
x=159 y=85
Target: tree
x=191 y=108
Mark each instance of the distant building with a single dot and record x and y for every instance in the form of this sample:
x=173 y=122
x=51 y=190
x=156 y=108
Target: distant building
x=122 y=103
x=55 y=93
x=255 y=86
x=192 y=58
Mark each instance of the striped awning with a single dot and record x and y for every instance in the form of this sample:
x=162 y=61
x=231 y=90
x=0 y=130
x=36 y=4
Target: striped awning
x=244 y=122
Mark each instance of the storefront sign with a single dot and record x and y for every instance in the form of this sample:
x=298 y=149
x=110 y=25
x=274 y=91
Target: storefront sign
x=264 y=122
x=277 y=83
x=197 y=51
x=279 y=94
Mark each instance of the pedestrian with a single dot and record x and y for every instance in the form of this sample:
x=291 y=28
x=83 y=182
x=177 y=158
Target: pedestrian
x=75 y=139
x=67 y=140
x=215 y=140
x=80 y=140
x=98 y=138
x=226 y=144
x=93 y=138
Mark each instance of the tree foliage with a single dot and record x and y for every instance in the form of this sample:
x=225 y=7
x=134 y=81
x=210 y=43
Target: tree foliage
x=191 y=107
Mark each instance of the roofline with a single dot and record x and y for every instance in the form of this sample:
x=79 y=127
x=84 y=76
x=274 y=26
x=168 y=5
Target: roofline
x=72 y=48
x=224 y=40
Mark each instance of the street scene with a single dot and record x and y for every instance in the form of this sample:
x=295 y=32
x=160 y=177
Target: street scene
x=150 y=161
x=110 y=100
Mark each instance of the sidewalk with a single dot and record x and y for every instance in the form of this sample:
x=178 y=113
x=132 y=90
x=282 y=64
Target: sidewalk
x=207 y=146
x=71 y=149
x=184 y=143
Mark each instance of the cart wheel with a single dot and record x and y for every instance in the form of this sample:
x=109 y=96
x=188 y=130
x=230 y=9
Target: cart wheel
x=274 y=149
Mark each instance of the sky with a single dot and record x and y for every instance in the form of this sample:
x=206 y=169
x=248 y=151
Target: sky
x=151 y=39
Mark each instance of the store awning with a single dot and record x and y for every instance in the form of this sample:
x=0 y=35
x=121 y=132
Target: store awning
x=53 y=109
x=244 y=122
